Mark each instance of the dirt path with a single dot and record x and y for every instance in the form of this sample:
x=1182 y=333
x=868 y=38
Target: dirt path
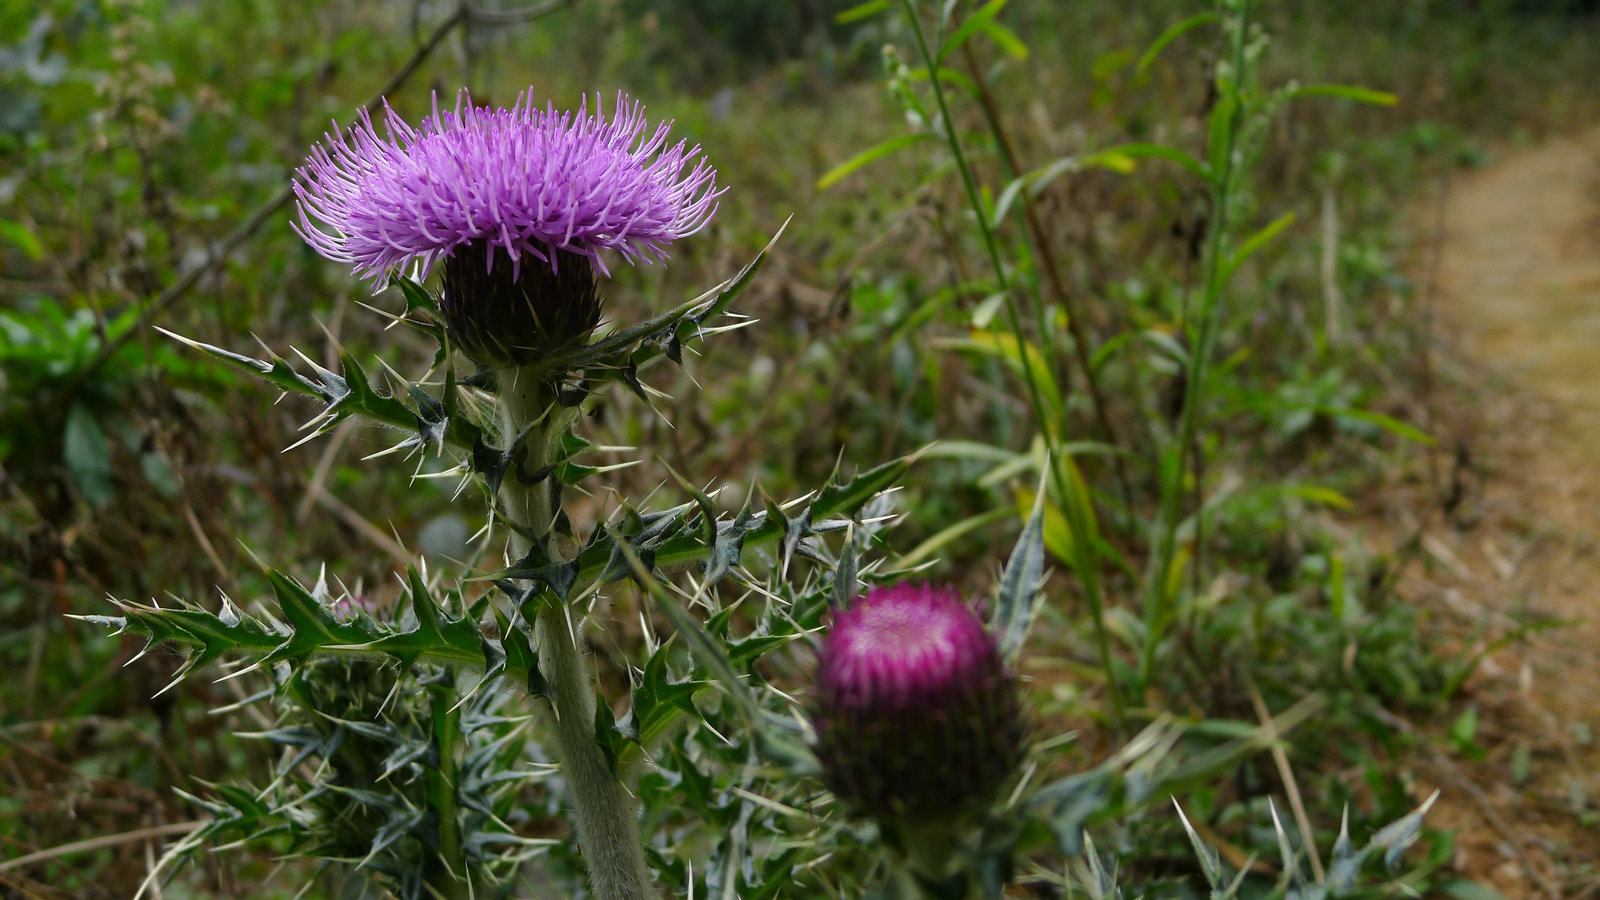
x=1518 y=295
x=1520 y=276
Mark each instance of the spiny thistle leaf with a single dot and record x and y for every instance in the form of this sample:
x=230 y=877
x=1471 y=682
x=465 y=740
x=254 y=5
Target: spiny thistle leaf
x=728 y=545
x=707 y=650
x=435 y=632
x=1020 y=582
x=673 y=543
x=351 y=394
x=620 y=355
x=365 y=790
x=313 y=626
x=660 y=540
x=310 y=628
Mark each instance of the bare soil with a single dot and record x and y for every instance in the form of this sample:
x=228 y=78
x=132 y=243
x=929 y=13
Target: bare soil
x=1515 y=282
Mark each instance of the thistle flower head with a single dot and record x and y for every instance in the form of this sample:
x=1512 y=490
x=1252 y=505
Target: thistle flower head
x=524 y=180
x=520 y=204
x=915 y=712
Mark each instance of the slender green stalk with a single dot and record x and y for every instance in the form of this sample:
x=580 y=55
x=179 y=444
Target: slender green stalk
x=447 y=872
x=1174 y=459
x=606 y=814
x=1046 y=427
x=1051 y=268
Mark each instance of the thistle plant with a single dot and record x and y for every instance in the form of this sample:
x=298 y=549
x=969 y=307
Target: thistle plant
x=519 y=205
x=522 y=212
x=918 y=720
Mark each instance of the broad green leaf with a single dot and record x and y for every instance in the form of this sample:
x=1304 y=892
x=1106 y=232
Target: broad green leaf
x=1396 y=427
x=23 y=238
x=1147 y=150
x=973 y=450
x=1221 y=128
x=1005 y=39
x=1122 y=159
x=861 y=11
x=1005 y=346
x=954 y=78
x=948 y=535
x=1319 y=494
x=974 y=23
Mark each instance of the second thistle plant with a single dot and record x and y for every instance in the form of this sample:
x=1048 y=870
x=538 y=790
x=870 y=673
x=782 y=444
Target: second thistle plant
x=520 y=205
x=917 y=716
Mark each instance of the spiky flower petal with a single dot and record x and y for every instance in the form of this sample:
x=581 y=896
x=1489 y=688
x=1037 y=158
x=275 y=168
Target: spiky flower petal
x=520 y=205
x=916 y=713
x=524 y=180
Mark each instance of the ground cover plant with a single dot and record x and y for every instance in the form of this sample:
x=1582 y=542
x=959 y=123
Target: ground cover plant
x=1060 y=600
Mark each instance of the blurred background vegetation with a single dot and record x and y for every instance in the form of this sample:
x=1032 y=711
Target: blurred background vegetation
x=147 y=143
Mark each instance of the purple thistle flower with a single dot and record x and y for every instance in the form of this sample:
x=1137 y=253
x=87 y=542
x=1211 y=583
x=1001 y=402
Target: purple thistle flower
x=916 y=713
x=483 y=189
x=524 y=180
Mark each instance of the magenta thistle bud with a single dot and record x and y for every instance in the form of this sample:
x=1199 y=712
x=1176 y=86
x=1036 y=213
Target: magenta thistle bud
x=916 y=713
x=520 y=205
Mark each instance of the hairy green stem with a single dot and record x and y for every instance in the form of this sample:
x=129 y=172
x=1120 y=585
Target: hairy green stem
x=447 y=872
x=608 y=822
x=606 y=815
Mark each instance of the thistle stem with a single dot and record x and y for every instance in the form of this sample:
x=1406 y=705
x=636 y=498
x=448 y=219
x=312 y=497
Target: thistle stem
x=608 y=824
x=447 y=873
x=928 y=856
x=606 y=816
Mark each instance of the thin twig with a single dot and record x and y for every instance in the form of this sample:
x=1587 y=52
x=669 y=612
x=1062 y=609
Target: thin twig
x=1332 y=296
x=1290 y=786
x=319 y=477
x=150 y=866
x=106 y=840
x=359 y=524
x=206 y=546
